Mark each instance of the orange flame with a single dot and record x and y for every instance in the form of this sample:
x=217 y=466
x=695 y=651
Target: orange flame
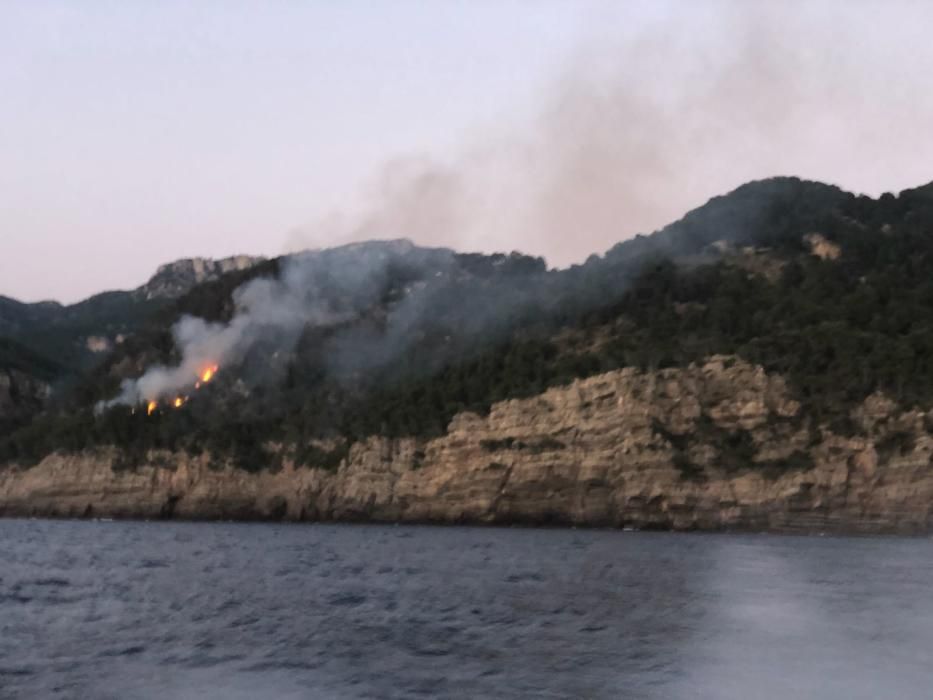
x=150 y=407
x=178 y=402
x=208 y=373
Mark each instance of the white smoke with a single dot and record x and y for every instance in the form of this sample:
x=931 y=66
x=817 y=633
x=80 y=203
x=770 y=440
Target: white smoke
x=313 y=289
x=632 y=133
x=265 y=308
x=629 y=137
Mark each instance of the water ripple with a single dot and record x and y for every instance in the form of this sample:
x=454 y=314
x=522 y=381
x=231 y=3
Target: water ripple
x=185 y=610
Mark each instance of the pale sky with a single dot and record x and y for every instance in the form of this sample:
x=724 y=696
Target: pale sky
x=133 y=133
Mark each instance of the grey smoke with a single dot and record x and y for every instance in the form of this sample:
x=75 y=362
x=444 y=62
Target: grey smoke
x=633 y=133
x=264 y=308
x=319 y=289
x=628 y=138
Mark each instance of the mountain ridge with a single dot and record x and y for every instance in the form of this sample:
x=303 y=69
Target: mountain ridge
x=77 y=333
x=322 y=353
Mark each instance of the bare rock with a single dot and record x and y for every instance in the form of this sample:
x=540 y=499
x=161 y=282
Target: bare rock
x=647 y=449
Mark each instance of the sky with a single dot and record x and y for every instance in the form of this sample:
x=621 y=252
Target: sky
x=133 y=133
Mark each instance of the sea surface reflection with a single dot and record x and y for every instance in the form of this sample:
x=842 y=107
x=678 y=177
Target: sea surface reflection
x=186 y=610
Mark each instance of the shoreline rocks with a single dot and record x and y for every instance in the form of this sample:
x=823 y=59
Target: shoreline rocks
x=715 y=446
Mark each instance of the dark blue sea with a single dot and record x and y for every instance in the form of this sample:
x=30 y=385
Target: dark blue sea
x=128 y=610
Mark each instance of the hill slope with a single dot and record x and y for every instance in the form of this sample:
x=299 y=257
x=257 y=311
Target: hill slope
x=79 y=335
x=321 y=354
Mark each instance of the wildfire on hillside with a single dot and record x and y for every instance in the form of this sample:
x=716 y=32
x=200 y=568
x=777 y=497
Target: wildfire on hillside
x=204 y=376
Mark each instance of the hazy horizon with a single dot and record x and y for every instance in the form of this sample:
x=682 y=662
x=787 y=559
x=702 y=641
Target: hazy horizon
x=137 y=134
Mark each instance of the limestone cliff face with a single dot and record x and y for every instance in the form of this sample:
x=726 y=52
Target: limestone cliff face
x=625 y=448
x=174 y=279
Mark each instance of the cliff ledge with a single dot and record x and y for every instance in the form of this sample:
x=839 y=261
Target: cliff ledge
x=719 y=445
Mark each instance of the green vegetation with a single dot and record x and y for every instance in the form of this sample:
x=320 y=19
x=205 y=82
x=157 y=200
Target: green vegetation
x=60 y=332
x=325 y=459
x=838 y=330
x=15 y=356
x=896 y=443
x=736 y=450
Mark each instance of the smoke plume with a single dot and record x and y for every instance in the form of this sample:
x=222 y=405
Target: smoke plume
x=318 y=289
x=639 y=129
x=629 y=136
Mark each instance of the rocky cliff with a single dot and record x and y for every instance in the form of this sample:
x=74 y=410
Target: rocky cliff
x=174 y=279
x=76 y=337
x=717 y=445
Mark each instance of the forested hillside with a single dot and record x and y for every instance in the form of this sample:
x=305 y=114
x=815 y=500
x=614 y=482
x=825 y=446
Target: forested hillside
x=831 y=290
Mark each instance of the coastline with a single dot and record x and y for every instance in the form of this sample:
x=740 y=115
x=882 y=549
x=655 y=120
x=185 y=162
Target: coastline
x=599 y=452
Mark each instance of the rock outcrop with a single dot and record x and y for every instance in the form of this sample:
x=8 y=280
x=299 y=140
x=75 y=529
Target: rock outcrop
x=722 y=445
x=174 y=279
x=821 y=247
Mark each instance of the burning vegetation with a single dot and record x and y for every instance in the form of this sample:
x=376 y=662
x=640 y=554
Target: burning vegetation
x=483 y=329
x=204 y=377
